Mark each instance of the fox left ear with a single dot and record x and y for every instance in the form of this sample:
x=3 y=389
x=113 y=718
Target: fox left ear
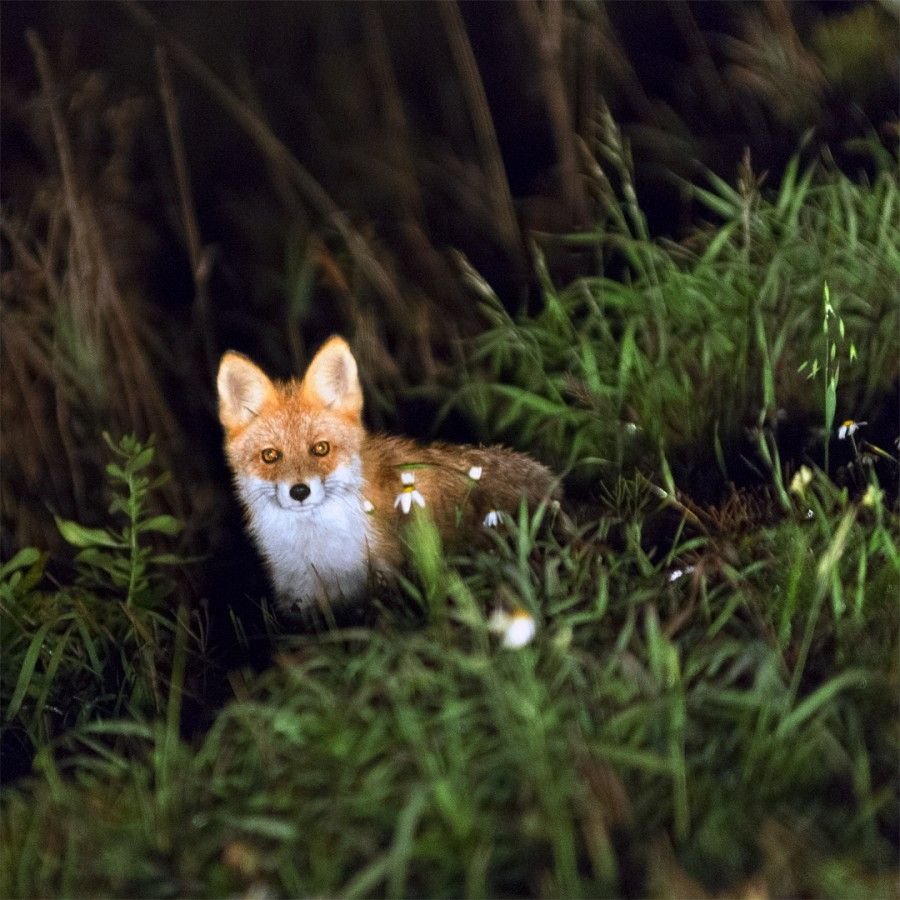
x=332 y=379
x=243 y=390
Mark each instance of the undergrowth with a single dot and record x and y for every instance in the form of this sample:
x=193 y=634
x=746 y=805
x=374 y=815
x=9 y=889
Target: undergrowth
x=90 y=648
x=707 y=704
x=718 y=716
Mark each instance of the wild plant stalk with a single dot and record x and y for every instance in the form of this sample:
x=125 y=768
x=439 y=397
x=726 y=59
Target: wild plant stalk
x=831 y=376
x=545 y=28
x=486 y=136
x=830 y=367
x=77 y=356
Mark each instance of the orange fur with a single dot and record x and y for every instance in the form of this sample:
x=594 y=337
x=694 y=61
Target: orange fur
x=352 y=515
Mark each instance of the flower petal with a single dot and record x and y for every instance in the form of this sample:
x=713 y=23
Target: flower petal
x=520 y=631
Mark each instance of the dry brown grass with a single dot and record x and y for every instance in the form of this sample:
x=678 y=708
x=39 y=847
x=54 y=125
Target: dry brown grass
x=80 y=353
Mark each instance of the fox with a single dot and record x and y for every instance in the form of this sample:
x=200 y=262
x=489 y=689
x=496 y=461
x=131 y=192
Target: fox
x=325 y=500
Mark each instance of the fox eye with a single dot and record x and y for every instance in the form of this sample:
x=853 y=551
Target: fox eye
x=320 y=448
x=270 y=455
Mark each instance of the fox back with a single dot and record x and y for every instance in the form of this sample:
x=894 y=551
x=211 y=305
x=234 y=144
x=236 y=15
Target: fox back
x=325 y=501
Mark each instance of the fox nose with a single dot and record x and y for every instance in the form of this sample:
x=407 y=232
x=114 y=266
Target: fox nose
x=299 y=492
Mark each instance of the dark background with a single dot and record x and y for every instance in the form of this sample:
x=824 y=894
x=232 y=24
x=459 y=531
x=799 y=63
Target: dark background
x=378 y=108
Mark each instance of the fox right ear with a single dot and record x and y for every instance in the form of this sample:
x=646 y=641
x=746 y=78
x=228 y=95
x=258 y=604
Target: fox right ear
x=332 y=379
x=243 y=389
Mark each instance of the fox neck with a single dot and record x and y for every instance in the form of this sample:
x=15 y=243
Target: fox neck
x=316 y=555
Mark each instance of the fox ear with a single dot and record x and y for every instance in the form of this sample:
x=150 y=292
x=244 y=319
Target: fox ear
x=332 y=379
x=243 y=389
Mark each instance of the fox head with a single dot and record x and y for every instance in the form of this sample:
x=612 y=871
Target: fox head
x=293 y=445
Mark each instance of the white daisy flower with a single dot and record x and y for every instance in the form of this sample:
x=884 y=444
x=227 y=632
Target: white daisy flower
x=408 y=494
x=368 y=506
x=492 y=519
x=516 y=629
x=475 y=473
x=848 y=428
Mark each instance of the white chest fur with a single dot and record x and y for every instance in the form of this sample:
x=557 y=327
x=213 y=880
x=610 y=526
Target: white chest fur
x=316 y=551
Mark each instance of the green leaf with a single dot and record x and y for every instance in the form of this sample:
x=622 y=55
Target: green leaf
x=529 y=400
x=141 y=461
x=116 y=471
x=788 y=180
x=159 y=481
x=162 y=524
x=830 y=403
x=81 y=536
x=168 y=559
x=404 y=833
x=120 y=728
x=26 y=557
x=115 y=566
x=27 y=670
x=89 y=642
x=821 y=696
x=716 y=245
x=264 y=826
x=768 y=375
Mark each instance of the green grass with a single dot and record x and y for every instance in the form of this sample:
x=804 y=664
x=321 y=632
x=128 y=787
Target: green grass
x=90 y=648
x=709 y=700
x=689 y=344
x=749 y=696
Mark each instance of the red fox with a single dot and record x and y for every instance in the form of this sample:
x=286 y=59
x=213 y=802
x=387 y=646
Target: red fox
x=325 y=500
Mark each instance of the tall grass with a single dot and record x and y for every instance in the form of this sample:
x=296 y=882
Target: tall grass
x=689 y=345
x=714 y=718
x=706 y=705
x=78 y=353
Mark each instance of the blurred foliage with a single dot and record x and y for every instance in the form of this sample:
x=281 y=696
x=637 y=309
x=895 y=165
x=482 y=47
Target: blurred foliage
x=854 y=48
x=707 y=705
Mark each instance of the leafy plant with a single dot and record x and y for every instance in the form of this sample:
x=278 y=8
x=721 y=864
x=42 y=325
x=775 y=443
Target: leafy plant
x=90 y=648
x=120 y=560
